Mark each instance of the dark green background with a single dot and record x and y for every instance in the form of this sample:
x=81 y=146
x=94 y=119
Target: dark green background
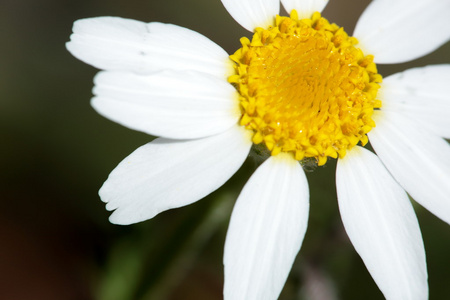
x=56 y=241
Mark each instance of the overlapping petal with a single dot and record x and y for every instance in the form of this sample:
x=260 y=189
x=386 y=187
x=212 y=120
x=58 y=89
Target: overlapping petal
x=304 y=8
x=171 y=104
x=165 y=174
x=403 y=30
x=266 y=230
x=253 y=13
x=423 y=94
x=382 y=226
x=418 y=160
x=112 y=43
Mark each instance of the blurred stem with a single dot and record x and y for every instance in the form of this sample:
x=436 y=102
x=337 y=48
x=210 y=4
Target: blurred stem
x=139 y=270
x=187 y=244
x=119 y=278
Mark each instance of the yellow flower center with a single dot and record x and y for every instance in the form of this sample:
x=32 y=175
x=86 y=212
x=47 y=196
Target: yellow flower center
x=305 y=88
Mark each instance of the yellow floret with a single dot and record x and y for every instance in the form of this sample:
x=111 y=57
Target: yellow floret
x=305 y=88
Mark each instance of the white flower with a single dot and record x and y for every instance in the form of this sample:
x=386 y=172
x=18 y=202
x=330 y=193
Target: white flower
x=172 y=82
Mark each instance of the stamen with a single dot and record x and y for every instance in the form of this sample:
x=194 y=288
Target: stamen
x=305 y=88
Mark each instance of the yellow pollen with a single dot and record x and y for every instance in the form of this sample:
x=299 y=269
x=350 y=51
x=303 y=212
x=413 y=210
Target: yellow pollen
x=304 y=88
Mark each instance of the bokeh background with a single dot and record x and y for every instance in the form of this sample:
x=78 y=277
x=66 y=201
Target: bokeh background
x=56 y=241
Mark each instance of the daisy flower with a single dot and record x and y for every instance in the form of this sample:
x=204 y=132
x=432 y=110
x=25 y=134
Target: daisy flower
x=305 y=90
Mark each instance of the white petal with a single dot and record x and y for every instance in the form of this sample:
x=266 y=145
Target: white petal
x=382 y=226
x=171 y=104
x=418 y=160
x=165 y=174
x=266 y=230
x=422 y=94
x=304 y=8
x=253 y=13
x=403 y=30
x=112 y=43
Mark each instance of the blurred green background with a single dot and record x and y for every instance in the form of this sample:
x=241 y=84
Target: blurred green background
x=56 y=241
